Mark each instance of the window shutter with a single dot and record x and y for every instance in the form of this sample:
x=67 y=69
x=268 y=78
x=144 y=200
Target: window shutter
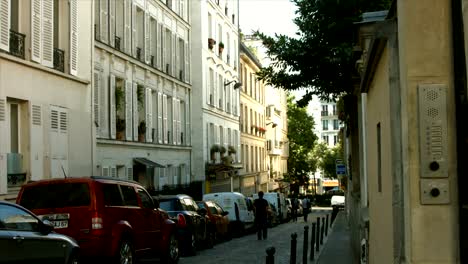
x=135 y=111
x=174 y=121
x=149 y=114
x=164 y=48
x=209 y=139
x=112 y=22
x=5 y=25
x=217 y=135
x=177 y=66
x=147 y=38
x=188 y=128
x=215 y=90
x=179 y=124
x=3 y=146
x=226 y=138
x=73 y=38
x=113 y=172
x=63 y=132
x=96 y=90
x=134 y=34
x=36 y=30
x=104 y=20
x=160 y=114
x=165 y=129
x=208 y=86
x=128 y=26
x=237 y=139
x=187 y=62
x=112 y=107
x=105 y=171
x=37 y=142
x=130 y=173
x=173 y=55
x=104 y=107
x=48 y=33
x=128 y=110
x=159 y=46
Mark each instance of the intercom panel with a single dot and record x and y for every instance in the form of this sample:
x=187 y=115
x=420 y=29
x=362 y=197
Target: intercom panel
x=432 y=100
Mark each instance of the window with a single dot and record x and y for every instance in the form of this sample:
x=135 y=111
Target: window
x=325 y=139
x=336 y=124
x=45 y=196
x=168 y=50
x=324 y=110
x=146 y=201
x=334 y=109
x=140 y=34
x=112 y=196
x=13 y=218
x=181 y=62
x=129 y=195
x=335 y=140
x=324 y=124
x=153 y=42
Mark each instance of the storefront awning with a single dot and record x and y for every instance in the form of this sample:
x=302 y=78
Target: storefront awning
x=148 y=163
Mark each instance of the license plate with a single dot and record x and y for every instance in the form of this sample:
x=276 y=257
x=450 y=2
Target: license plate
x=60 y=224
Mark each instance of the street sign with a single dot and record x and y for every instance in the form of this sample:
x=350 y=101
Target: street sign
x=340 y=169
x=339 y=161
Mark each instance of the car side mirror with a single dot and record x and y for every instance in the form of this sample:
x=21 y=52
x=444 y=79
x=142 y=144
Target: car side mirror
x=224 y=213
x=45 y=227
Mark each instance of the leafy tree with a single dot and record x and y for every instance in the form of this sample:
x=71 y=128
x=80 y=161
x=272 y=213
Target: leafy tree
x=328 y=161
x=302 y=140
x=320 y=58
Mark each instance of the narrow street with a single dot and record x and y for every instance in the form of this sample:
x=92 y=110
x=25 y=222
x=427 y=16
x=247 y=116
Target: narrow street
x=249 y=250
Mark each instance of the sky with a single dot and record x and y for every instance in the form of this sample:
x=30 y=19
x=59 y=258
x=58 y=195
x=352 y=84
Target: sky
x=270 y=16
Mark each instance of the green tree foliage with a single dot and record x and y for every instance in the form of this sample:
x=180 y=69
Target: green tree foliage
x=327 y=163
x=320 y=58
x=302 y=140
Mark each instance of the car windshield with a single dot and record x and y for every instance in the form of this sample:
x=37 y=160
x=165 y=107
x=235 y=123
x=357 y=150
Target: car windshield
x=170 y=205
x=56 y=196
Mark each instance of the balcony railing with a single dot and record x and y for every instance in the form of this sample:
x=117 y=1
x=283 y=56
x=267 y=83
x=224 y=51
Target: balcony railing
x=17 y=44
x=59 y=60
x=138 y=53
x=117 y=43
x=152 y=60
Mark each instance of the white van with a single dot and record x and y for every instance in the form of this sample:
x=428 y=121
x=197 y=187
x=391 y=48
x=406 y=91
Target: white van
x=279 y=201
x=241 y=215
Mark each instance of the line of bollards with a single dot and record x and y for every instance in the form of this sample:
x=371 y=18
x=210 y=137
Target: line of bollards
x=319 y=230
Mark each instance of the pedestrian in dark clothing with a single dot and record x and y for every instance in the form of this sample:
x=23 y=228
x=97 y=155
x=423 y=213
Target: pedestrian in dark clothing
x=261 y=216
x=295 y=206
x=305 y=207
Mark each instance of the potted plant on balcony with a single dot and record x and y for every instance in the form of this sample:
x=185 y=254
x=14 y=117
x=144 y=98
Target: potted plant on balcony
x=231 y=150
x=213 y=150
x=222 y=150
x=220 y=47
x=142 y=131
x=120 y=128
x=211 y=43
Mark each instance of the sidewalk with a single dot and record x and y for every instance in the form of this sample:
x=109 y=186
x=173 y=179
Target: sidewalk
x=337 y=248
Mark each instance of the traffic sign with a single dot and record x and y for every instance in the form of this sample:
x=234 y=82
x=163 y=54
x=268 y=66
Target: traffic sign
x=340 y=169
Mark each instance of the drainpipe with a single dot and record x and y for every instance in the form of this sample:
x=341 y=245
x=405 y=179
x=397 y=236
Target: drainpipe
x=460 y=86
x=91 y=63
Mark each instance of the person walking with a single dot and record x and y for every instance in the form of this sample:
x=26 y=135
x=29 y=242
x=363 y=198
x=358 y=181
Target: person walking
x=294 y=207
x=261 y=216
x=305 y=207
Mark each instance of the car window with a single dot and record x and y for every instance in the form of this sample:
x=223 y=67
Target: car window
x=213 y=210
x=56 y=195
x=112 y=196
x=220 y=210
x=146 y=200
x=13 y=218
x=201 y=205
x=129 y=195
x=170 y=205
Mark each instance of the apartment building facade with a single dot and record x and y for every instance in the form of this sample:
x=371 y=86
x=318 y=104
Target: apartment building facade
x=142 y=91
x=215 y=112
x=45 y=91
x=253 y=176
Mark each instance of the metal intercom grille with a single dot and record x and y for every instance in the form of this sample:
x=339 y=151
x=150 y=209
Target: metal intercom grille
x=433 y=130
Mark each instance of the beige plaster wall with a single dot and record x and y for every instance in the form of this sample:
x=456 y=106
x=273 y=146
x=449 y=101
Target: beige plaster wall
x=380 y=202
x=424 y=33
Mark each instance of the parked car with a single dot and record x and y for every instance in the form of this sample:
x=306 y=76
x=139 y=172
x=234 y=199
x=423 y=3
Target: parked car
x=218 y=218
x=241 y=215
x=192 y=222
x=337 y=201
x=111 y=218
x=24 y=238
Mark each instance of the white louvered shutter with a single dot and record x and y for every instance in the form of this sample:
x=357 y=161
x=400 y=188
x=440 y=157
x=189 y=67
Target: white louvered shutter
x=147 y=38
x=112 y=22
x=215 y=89
x=159 y=46
x=135 y=111
x=165 y=128
x=3 y=145
x=173 y=56
x=134 y=34
x=160 y=115
x=164 y=48
x=226 y=138
x=96 y=94
x=209 y=140
x=112 y=107
x=104 y=107
x=177 y=65
x=174 y=121
x=217 y=136
x=48 y=33
x=238 y=146
x=105 y=171
x=37 y=142
x=130 y=173
x=128 y=26
x=187 y=62
x=104 y=20
x=73 y=37
x=188 y=128
x=36 y=30
x=179 y=125
x=113 y=172
x=149 y=114
x=5 y=25
x=128 y=110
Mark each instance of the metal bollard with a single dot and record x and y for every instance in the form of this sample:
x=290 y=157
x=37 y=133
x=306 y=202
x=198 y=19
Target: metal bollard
x=326 y=226
x=312 y=243
x=270 y=258
x=292 y=260
x=317 y=244
x=322 y=231
x=305 y=244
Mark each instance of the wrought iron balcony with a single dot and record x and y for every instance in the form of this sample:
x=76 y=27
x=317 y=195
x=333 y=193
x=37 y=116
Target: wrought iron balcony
x=117 y=43
x=17 y=44
x=138 y=53
x=181 y=75
x=152 y=61
x=59 y=60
